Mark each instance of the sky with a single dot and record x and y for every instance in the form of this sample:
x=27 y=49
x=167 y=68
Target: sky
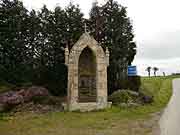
x=156 y=27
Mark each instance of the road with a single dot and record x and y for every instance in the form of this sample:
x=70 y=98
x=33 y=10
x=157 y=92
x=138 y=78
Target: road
x=170 y=120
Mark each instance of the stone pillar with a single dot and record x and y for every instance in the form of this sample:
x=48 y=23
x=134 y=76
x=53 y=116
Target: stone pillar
x=101 y=83
x=72 y=81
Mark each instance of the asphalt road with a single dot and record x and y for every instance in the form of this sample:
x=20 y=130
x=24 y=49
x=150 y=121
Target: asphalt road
x=170 y=120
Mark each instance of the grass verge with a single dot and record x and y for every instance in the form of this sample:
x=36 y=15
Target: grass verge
x=114 y=121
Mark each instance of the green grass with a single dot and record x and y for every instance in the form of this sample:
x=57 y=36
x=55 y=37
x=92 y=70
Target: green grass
x=160 y=88
x=114 y=121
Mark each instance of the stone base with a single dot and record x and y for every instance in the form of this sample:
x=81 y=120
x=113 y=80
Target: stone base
x=86 y=107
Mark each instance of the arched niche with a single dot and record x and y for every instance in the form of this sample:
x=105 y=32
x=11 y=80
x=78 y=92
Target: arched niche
x=87 y=76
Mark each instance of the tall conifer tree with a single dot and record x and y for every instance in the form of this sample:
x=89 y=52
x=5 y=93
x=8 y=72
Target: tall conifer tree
x=115 y=31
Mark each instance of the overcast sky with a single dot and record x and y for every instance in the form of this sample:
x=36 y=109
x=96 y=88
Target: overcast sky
x=156 y=28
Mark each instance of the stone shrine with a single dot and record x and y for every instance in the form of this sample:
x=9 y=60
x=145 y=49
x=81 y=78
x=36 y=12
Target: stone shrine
x=87 y=75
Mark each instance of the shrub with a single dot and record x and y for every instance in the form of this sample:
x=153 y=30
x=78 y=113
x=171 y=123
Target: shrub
x=54 y=79
x=132 y=82
x=123 y=96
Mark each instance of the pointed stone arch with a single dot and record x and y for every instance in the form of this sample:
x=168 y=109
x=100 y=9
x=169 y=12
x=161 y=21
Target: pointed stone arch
x=101 y=61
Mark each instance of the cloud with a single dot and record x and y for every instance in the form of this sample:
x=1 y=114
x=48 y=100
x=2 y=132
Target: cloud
x=162 y=46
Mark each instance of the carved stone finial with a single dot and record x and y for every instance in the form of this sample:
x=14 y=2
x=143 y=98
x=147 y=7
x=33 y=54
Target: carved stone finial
x=107 y=50
x=66 y=55
x=107 y=56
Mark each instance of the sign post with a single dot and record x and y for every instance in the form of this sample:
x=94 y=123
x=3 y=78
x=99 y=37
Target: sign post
x=132 y=71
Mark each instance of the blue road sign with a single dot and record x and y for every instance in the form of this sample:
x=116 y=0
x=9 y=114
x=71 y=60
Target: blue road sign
x=132 y=71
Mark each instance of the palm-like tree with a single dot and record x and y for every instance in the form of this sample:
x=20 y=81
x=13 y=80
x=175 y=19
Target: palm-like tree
x=148 y=69
x=155 y=70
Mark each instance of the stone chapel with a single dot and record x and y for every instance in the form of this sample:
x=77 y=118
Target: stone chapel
x=87 y=75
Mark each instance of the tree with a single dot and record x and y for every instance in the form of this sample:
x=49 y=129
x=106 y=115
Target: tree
x=148 y=69
x=96 y=22
x=155 y=70
x=164 y=74
x=74 y=24
x=13 y=49
x=58 y=28
x=32 y=42
x=33 y=33
x=113 y=29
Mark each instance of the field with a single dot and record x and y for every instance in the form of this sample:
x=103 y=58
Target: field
x=141 y=120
